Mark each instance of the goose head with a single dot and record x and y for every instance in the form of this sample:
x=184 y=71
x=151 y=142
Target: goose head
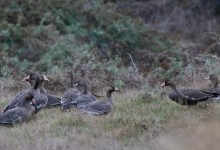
x=168 y=83
x=114 y=88
x=79 y=83
x=33 y=76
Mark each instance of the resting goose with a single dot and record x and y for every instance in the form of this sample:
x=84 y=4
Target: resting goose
x=85 y=97
x=19 y=99
x=69 y=97
x=100 y=107
x=52 y=100
x=41 y=98
x=19 y=114
x=187 y=96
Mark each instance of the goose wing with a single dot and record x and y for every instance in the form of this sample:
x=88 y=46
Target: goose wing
x=83 y=100
x=70 y=98
x=15 y=115
x=97 y=108
x=40 y=101
x=214 y=90
x=18 y=101
x=195 y=95
x=53 y=101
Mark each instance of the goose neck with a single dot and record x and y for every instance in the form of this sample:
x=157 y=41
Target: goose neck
x=43 y=90
x=85 y=89
x=109 y=94
x=71 y=80
x=36 y=84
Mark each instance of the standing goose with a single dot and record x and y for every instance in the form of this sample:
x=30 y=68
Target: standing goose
x=85 y=97
x=41 y=98
x=187 y=96
x=99 y=107
x=69 y=97
x=19 y=114
x=52 y=100
x=19 y=99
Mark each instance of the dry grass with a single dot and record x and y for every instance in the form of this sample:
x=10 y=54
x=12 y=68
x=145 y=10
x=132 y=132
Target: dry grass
x=138 y=118
x=201 y=135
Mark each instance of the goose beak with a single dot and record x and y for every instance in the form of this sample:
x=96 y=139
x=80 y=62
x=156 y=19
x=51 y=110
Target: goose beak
x=45 y=78
x=162 y=85
x=207 y=78
x=26 y=78
x=116 y=89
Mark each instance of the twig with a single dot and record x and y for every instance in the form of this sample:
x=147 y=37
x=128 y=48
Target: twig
x=135 y=68
x=214 y=36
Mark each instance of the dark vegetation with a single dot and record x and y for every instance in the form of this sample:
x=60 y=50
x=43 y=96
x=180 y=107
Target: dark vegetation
x=93 y=38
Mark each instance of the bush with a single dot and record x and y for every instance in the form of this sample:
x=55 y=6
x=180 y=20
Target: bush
x=41 y=38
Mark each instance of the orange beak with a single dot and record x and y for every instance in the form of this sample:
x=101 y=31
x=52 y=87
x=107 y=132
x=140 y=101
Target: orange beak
x=162 y=85
x=45 y=78
x=75 y=85
x=116 y=89
x=26 y=78
x=207 y=78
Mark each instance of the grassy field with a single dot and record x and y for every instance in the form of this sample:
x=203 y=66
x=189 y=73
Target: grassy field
x=141 y=119
x=164 y=39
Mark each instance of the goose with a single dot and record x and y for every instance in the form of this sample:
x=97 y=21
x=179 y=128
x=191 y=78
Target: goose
x=99 y=107
x=19 y=114
x=69 y=97
x=187 y=96
x=19 y=99
x=41 y=98
x=52 y=100
x=85 y=97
